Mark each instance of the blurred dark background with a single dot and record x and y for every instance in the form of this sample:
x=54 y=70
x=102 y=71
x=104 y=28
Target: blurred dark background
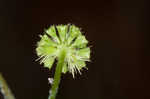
x=117 y=30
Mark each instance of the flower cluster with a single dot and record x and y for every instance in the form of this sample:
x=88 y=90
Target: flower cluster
x=67 y=37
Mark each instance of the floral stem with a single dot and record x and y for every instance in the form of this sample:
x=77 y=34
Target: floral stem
x=57 y=76
x=5 y=90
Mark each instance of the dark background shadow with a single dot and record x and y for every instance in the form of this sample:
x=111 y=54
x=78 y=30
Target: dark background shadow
x=118 y=31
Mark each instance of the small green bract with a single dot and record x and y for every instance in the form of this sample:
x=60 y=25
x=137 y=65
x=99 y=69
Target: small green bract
x=68 y=37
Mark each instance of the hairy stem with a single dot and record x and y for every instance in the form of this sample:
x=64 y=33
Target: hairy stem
x=4 y=89
x=57 y=76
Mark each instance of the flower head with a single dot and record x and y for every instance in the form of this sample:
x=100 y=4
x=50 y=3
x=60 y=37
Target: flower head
x=68 y=37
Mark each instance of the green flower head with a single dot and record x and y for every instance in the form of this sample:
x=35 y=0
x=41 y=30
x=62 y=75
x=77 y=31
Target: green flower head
x=68 y=37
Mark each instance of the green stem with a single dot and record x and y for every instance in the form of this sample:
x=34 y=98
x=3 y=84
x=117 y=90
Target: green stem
x=57 y=76
x=5 y=90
